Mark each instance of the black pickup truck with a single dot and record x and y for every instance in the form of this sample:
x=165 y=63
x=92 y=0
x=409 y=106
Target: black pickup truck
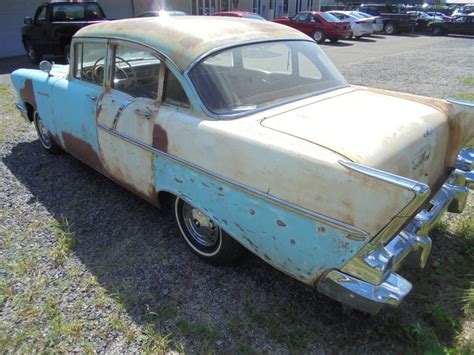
x=393 y=22
x=54 y=24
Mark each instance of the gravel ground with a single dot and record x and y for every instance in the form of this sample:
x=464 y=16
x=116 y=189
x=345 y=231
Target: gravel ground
x=86 y=266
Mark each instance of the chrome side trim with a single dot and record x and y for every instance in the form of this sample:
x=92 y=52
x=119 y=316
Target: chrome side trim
x=461 y=102
x=352 y=230
x=409 y=184
x=119 y=113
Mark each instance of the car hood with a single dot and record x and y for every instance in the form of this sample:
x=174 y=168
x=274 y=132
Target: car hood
x=407 y=135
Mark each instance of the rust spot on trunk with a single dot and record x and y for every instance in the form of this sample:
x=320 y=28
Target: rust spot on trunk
x=27 y=94
x=160 y=138
x=456 y=137
x=82 y=151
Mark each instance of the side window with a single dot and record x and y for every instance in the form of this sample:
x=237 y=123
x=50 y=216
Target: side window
x=40 y=16
x=315 y=19
x=173 y=91
x=301 y=18
x=136 y=72
x=89 y=59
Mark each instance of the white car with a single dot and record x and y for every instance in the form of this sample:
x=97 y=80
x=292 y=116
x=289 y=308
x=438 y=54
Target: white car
x=360 y=26
x=378 y=21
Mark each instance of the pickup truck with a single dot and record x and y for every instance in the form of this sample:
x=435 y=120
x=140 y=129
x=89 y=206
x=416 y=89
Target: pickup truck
x=394 y=23
x=51 y=29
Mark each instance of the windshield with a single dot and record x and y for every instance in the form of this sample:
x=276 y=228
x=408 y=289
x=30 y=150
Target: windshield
x=248 y=77
x=329 y=17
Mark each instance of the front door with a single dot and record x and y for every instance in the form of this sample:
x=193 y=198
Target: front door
x=126 y=118
x=75 y=107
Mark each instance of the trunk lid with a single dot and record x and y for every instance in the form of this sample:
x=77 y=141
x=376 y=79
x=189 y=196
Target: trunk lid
x=399 y=133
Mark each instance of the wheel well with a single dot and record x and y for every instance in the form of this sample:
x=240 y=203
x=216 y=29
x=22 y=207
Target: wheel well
x=29 y=111
x=165 y=199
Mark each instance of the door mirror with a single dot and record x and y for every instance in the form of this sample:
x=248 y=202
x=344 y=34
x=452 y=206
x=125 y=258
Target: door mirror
x=45 y=66
x=28 y=20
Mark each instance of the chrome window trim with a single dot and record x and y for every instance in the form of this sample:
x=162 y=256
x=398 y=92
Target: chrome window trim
x=461 y=102
x=351 y=230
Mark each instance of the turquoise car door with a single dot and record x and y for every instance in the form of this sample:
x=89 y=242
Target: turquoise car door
x=75 y=103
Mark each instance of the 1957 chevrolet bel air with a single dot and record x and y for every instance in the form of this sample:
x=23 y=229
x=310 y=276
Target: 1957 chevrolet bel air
x=260 y=144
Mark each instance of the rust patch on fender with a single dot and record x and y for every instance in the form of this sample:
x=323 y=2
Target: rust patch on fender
x=160 y=138
x=27 y=94
x=82 y=151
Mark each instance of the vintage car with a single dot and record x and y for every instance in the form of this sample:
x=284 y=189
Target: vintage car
x=258 y=143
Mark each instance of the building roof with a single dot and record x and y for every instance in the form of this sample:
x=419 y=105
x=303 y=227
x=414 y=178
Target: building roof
x=183 y=39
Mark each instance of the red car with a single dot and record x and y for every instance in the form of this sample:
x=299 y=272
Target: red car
x=318 y=25
x=242 y=14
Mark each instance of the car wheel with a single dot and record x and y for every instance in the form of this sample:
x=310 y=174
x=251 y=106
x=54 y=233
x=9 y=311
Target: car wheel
x=437 y=31
x=33 y=56
x=319 y=36
x=206 y=238
x=44 y=136
x=390 y=29
x=67 y=54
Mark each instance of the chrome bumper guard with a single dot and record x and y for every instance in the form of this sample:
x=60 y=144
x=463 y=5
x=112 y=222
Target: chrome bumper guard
x=369 y=281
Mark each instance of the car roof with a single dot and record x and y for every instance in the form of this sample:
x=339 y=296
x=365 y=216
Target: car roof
x=184 y=39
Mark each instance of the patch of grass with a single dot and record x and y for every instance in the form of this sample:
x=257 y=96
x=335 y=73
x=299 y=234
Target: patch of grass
x=65 y=240
x=154 y=342
x=465 y=96
x=465 y=229
x=197 y=330
x=278 y=323
x=468 y=80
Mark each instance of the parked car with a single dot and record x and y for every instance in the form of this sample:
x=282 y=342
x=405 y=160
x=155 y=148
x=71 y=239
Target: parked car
x=378 y=20
x=318 y=25
x=462 y=25
x=242 y=14
x=439 y=14
x=359 y=26
x=259 y=145
x=51 y=29
x=162 y=13
x=423 y=20
x=394 y=22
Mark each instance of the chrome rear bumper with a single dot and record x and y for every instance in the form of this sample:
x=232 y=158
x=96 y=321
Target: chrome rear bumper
x=369 y=281
x=23 y=111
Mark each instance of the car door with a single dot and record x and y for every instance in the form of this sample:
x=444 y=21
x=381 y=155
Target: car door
x=76 y=100
x=38 y=32
x=127 y=115
x=302 y=23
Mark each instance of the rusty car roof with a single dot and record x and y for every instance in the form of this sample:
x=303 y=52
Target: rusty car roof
x=184 y=39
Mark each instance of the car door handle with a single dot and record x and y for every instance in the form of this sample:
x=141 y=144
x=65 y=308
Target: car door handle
x=92 y=97
x=145 y=114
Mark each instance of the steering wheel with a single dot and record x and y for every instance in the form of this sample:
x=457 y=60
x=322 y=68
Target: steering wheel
x=130 y=77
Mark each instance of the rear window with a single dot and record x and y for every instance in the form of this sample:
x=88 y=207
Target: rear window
x=77 y=12
x=329 y=17
x=256 y=75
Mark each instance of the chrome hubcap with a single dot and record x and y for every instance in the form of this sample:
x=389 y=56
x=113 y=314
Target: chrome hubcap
x=201 y=228
x=318 y=36
x=43 y=132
